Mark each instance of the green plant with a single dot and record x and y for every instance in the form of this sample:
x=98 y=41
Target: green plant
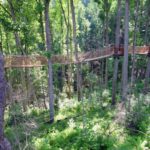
x=15 y=114
x=138 y=119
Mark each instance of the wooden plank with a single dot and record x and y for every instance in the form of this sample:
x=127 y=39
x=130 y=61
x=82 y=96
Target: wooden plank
x=142 y=50
x=24 y=61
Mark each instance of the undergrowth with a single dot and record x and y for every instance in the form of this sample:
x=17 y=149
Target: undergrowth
x=85 y=125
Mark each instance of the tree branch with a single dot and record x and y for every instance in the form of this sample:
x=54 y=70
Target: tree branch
x=5 y=10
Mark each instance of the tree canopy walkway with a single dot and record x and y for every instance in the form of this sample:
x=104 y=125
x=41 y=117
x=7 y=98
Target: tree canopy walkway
x=16 y=61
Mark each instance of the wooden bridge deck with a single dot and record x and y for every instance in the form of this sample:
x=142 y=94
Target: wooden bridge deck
x=38 y=61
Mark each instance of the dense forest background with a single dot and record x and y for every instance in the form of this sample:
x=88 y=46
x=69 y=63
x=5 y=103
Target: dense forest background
x=92 y=19
x=97 y=105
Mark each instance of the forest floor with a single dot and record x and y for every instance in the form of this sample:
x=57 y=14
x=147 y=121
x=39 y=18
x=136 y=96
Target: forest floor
x=85 y=125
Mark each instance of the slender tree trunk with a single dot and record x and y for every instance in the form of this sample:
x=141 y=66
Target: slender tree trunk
x=65 y=19
x=17 y=37
x=50 y=70
x=4 y=144
x=146 y=32
x=67 y=44
x=24 y=88
x=102 y=68
x=43 y=92
x=114 y=83
x=134 y=43
x=42 y=29
x=68 y=28
x=70 y=68
x=76 y=50
x=7 y=43
x=107 y=24
x=1 y=39
x=106 y=42
x=41 y=25
x=125 y=61
x=147 y=75
x=19 y=48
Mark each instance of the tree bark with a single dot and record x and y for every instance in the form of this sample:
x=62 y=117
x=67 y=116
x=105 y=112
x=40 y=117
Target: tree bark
x=147 y=75
x=50 y=70
x=41 y=26
x=106 y=40
x=17 y=37
x=76 y=50
x=114 y=83
x=42 y=29
x=4 y=144
x=146 y=32
x=67 y=23
x=1 y=39
x=125 y=61
x=7 y=42
x=134 y=42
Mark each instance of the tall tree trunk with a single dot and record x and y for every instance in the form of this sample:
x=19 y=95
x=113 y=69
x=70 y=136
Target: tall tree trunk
x=147 y=75
x=146 y=32
x=106 y=40
x=4 y=144
x=125 y=61
x=7 y=42
x=42 y=29
x=24 y=88
x=134 y=42
x=19 y=49
x=114 y=83
x=50 y=71
x=42 y=26
x=17 y=37
x=1 y=39
x=65 y=19
x=76 y=50
x=67 y=23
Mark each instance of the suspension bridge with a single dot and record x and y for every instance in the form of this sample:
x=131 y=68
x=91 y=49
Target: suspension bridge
x=23 y=61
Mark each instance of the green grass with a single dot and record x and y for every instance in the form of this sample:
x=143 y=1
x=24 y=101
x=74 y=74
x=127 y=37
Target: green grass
x=78 y=126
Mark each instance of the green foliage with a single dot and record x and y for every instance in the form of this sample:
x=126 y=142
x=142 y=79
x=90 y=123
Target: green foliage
x=15 y=114
x=89 y=124
x=138 y=117
x=48 y=54
x=78 y=125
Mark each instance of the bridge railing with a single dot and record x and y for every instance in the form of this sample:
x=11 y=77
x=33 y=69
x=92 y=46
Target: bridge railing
x=37 y=61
